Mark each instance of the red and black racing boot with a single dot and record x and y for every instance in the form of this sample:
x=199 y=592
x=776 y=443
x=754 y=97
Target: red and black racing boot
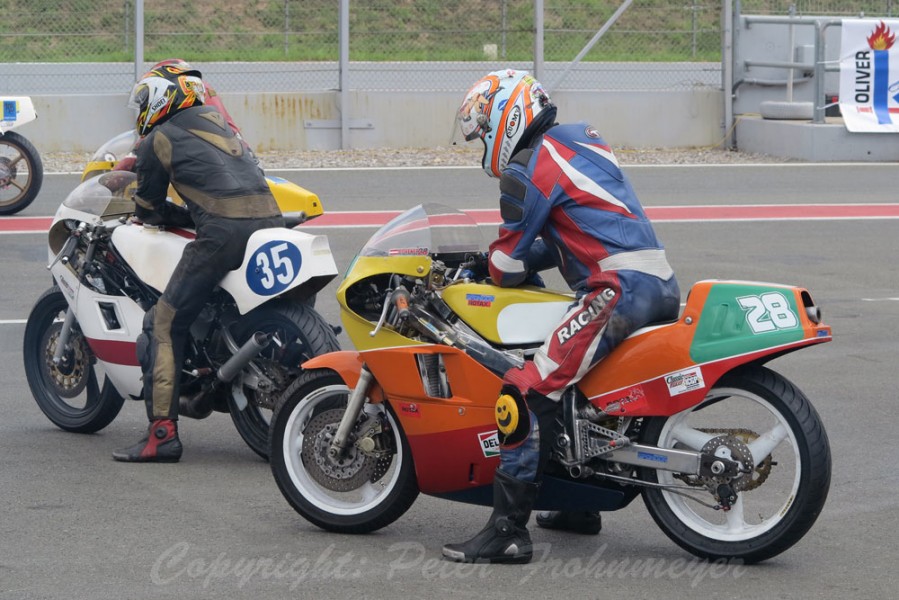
x=161 y=444
x=587 y=522
x=505 y=538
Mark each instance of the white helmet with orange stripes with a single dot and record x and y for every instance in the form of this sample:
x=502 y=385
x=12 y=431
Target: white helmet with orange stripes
x=499 y=108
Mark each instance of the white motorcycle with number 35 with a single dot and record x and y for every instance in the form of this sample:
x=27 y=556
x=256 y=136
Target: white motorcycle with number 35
x=244 y=350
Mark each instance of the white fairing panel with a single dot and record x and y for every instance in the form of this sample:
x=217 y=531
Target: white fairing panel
x=114 y=347
x=278 y=260
x=112 y=340
x=152 y=253
x=529 y=323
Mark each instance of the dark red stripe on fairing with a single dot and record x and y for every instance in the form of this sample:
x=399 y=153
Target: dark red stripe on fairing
x=115 y=352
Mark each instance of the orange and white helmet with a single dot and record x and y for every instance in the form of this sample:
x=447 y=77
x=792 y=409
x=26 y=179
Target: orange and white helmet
x=498 y=109
x=163 y=92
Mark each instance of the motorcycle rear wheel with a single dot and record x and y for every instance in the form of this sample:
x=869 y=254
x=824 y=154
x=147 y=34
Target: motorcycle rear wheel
x=756 y=412
x=376 y=494
x=303 y=334
x=75 y=394
x=21 y=173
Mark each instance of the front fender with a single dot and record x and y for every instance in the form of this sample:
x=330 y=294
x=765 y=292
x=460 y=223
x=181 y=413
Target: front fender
x=346 y=363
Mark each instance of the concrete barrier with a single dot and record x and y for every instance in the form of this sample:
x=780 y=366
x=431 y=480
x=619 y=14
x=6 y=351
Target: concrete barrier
x=388 y=119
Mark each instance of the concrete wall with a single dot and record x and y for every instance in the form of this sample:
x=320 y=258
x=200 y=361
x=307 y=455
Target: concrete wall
x=385 y=119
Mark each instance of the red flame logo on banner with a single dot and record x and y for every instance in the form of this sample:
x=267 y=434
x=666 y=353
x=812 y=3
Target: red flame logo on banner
x=882 y=38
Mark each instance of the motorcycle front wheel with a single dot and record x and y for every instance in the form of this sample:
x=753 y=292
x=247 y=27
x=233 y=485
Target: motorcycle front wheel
x=73 y=393
x=21 y=173
x=759 y=418
x=301 y=334
x=370 y=486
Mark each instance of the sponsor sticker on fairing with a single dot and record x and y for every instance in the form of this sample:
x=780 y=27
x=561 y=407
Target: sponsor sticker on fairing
x=479 y=300
x=410 y=409
x=684 y=381
x=489 y=443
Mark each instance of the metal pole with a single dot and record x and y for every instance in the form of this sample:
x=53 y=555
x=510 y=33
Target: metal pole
x=538 y=39
x=591 y=43
x=693 y=10
x=503 y=25
x=286 y=27
x=819 y=72
x=344 y=61
x=791 y=34
x=138 y=39
x=727 y=68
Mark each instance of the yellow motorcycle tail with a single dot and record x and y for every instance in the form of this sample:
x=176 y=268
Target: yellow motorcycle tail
x=292 y=199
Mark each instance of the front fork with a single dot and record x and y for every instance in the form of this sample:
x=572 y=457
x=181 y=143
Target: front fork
x=340 y=442
x=64 y=334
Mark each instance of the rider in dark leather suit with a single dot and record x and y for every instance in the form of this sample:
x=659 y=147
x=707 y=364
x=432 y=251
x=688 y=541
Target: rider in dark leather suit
x=191 y=147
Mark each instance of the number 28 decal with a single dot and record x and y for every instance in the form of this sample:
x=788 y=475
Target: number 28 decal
x=768 y=312
x=273 y=267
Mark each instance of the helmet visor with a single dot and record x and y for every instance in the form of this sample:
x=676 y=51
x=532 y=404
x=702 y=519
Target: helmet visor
x=140 y=94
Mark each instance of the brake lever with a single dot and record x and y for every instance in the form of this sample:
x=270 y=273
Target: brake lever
x=398 y=297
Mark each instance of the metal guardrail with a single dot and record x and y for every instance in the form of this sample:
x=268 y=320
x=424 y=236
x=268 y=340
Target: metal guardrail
x=820 y=65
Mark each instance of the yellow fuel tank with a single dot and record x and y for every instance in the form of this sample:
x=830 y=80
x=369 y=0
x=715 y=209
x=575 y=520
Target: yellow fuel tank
x=508 y=316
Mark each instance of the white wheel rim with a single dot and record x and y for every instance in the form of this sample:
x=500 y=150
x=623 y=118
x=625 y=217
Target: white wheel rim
x=322 y=498
x=754 y=513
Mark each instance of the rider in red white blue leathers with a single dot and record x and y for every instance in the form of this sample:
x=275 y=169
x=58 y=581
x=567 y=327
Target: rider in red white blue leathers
x=568 y=191
x=565 y=203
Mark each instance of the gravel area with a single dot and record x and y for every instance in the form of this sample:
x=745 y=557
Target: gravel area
x=453 y=156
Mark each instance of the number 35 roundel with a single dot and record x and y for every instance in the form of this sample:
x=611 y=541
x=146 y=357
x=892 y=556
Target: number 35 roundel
x=273 y=267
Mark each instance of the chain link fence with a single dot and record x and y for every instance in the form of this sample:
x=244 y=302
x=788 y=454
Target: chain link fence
x=832 y=8
x=79 y=46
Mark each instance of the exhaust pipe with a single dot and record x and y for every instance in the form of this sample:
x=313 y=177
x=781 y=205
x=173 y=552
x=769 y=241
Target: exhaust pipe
x=244 y=355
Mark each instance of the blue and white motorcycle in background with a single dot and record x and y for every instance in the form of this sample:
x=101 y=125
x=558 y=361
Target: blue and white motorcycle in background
x=21 y=169
x=245 y=348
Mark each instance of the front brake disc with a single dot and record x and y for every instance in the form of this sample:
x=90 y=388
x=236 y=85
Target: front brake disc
x=343 y=474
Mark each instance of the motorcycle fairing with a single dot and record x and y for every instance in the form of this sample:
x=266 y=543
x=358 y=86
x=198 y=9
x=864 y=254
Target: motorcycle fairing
x=276 y=261
x=17 y=110
x=112 y=334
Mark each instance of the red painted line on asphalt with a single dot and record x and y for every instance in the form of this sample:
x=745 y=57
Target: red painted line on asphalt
x=659 y=214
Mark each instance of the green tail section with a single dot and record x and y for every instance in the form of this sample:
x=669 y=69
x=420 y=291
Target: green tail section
x=740 y=318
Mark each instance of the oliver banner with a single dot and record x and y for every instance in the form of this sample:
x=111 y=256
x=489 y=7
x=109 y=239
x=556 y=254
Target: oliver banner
x=869 y=75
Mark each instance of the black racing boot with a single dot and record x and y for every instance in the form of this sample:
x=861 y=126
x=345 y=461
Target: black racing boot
x=161 y=444
x=505 y=538
x=580 y=521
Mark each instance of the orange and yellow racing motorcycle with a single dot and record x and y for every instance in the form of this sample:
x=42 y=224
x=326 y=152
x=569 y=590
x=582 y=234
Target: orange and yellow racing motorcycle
x=730 y=457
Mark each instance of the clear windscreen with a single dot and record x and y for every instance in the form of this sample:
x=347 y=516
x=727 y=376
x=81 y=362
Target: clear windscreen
x=426 y=229
x=108 y=195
